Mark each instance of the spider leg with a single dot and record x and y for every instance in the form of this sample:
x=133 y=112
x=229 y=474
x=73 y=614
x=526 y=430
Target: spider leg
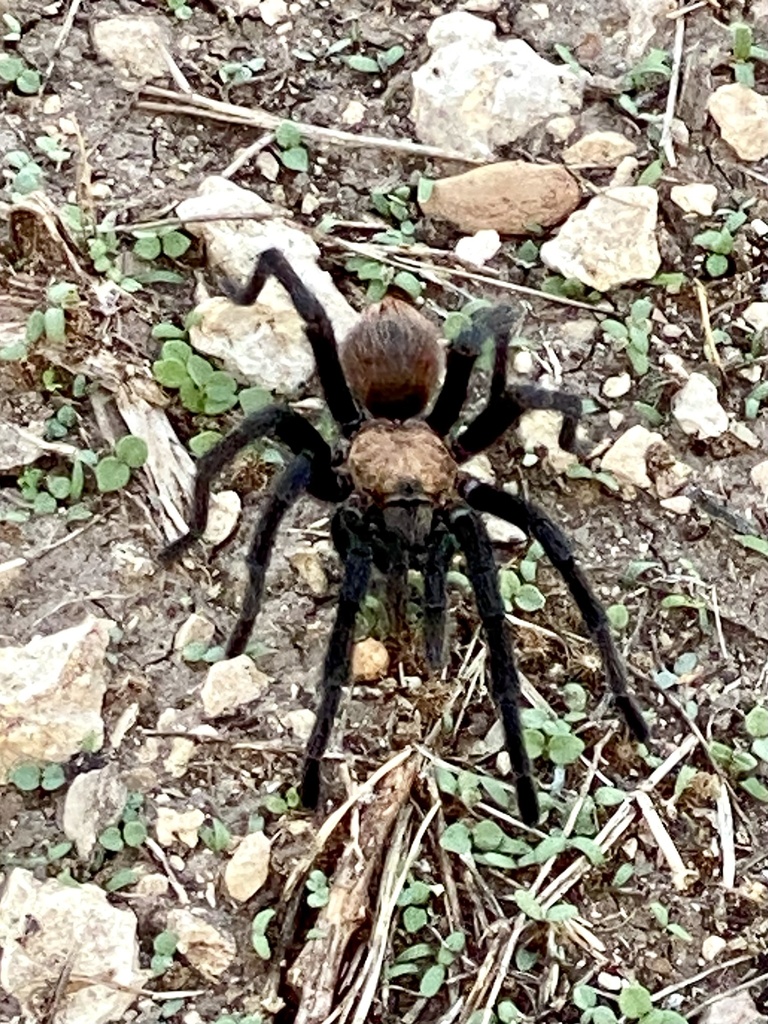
x=537 y=524
x=440 y=548
x=274 y=421
x=462 y=354
x=357 y=554
x=470 y=531
x=504 y=411
x=294 y=480
x=320 y=333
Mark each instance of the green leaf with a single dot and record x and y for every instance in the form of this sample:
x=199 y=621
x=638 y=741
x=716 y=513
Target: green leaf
x=660 y=912
x=11 y=68
x=111 y=839
x=200 y=370
x=424 y=189
x=416 y=894
x=716 y=265
x=679 y=932
x=59 y=486
x=121 y=879
x=456 y=839
x=148 y=248
x=432 y=980
x=58 y=850
x=29 y=82
x=720 y=242
x=455 y=942
x=365 y=64
x=652 y=173
x=44 y=504
x=529 y=905
x=414 y=919
x=295 y=159
x=26 y=777
x=609 y=796
x=216 y=838
x=159 y=964
x=165 y=943
x=618 y=616
x=756 y=789
x=589 y=848
x=565 y=749
x=408 y=283
x=741 y=36
x=391 y=56
x=562 y=912
x=53 y=777
x=487 y=835
x=287 y=135
x=584 y=997
x=112 y=474
x=529 y=598
x=261 y=921
x=204 y=441
x=134 y=833
x=758 y=544
x=55 y=324
x=171 y=373
x=175 y=244
x=635 y=1001
x=132 y=451
x=191 y=396
x=602 y=1015
x=534 y=743
x=419 y=951
x=623 y=875
x=756 y=722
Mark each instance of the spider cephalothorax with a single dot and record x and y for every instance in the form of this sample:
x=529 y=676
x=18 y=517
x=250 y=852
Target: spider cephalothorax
x=402 y=502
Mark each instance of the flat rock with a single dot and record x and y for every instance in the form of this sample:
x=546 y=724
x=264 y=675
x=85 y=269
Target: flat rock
x=207 y=949
x=599 y=149
x=511 y=197
x=262 y=344
x=51 y=692
x=742 y=117
x=697 y=197
x=248 y=868
x=626 y=458
x=94 y=800
x=477 y=92
x=47 y=928
x=230 y=684
x=611 y=242
x=301 y=722
x=195 y=629
x=540 y=428
x=756 y=315
x=133 y=46
x=697 y=410
x=736 y=1009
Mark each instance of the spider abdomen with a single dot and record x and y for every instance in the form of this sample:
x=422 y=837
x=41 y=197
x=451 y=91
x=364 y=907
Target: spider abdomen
x=389 y=461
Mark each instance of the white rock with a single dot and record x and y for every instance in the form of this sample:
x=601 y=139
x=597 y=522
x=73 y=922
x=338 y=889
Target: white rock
x=248 y=868
x=742 y=117
x=477 y=249
x=94 y=800
x=697 y=410
x=601 y=149
x=268 y=165
x=477 y=92
x=610 y=982
x=479 y=467
x=756 y=315
x=502 y=532
x=195 y=629
x=736 y=1009
x=135 y=47
x=51 y=692
x=561 y=128
x=698 y=197
x=309 y=566
x=712 y=947
x=353 y=113
x=152 y=885
x=208 y=950
x=610 y=242
x=616 y=387
x=625 y=172
x=273 y=11
x=178 y=826
x=223 y=516
x=759 y=476
x=230 y=684
x=540 y=428
x=370 y=660
x=615 y=418
x=626 y=456
x=47 y=928
x=742 y=433
x=301 y=722
x=522 y=362
x=678 y=504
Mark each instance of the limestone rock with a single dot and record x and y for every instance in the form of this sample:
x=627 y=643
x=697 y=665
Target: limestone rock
x=301 y=722
x=697 y=197
x=756 y=315
x=47 y=928
x=173 y=826
x=477 y=92
x=223 y=516
x=195 y=629
x=697 y=410
x=511 y=197
x=759 y=476
x=626 y=458
x=207 y=949
x=133 y=46
x=231 y=683
x=272 y=12
x=611 y=242
x=309 y=566
x=477 y=249
x=248 y=868
x=601 y=149
x=540 y=428
x=51 y=693
x=742 y=117
x=94 y=800
x=735 y=1009
x=617 y=387
x=370 y=660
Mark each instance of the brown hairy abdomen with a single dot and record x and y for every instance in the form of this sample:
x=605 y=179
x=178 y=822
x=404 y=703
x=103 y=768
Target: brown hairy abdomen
x=392 y=360
x=387 y=459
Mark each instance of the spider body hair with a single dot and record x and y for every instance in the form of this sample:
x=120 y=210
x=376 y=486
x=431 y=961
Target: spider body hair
x=401 y=499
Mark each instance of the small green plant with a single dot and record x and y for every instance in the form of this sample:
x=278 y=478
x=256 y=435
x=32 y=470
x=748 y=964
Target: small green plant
x=49 y=322
x=739 y=762
x=414 y=899
x=293 y=154
x=276 y=804
x=645 y=76
x=14 y=71
x=180 y=9
x=661 y=913
x=745 y=53
x=429 y=962
x=317 y=886
x=376 y=65
x=29 y=777
x=635 y=1004
x=130 y=831
x=380 y=277
x=518 y=587
x=259 y=939
x=202 y=389
x=719 y=242
x=215 y=836
x=633 y=335
x=234 y=72
x=163 y=947
x=165 y=241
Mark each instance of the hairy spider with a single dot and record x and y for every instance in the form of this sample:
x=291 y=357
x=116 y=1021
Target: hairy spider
x=403 y=501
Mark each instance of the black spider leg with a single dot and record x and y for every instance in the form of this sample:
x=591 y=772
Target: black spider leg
x=473 y=539
x=462 y=355
x=350 y=534
x=320 y=333
x=440 y=549
x=274 y=421
x=292 y=482
x=537 y=524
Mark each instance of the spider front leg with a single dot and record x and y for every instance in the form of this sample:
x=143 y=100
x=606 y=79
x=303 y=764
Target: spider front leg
x=350 y=529
x=470 y=531
x=538 y=525
x=320 y=333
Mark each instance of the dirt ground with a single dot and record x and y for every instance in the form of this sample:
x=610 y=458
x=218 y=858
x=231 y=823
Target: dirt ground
x=107 y=564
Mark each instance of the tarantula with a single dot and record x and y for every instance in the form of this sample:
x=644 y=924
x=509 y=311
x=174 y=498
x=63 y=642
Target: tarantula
x=402 y=499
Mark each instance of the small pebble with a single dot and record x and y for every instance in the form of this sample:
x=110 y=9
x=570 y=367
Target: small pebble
x=370 y=660
x=196 y=629
x=616 y=387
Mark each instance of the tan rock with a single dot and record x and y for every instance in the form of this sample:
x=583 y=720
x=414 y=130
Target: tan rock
x=135 y=47
x=759 y=476
x=370 y=660
x=741 y=114
x=223 y=515
x=231 y=683
x=309 y=566
x=248 y=868
x=712 y=947
x=178 y=826
x=601 y=149
x=353 y=113
x=756 y=315
x=510 y=197
x=697 y=197
x=206 y=948
x=301 y=722
x=679 y=504
x=626 y=456
x=617 y=387
x=195 y=629
x=697 y=410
